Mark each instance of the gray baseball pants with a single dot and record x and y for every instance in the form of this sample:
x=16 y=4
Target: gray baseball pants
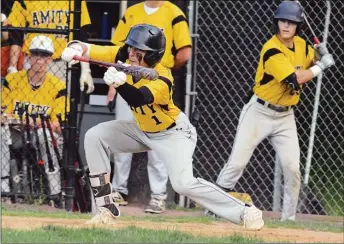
x=256 y=123
x=175 y=147
x=157 y=174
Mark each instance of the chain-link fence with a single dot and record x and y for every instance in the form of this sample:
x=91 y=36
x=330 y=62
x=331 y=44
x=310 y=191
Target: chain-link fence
x=231 y=35
x=35 y=100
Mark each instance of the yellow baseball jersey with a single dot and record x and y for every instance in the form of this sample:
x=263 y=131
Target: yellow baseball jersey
x=49 y=98
x=158 y=115
x=46 y=14
x=276 y=63
x=168 y=17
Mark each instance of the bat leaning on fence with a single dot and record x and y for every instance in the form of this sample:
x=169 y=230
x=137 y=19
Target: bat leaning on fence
x=28 y=146
x=14 y=176
x=82 y=198
x=39 y=168
x=26 y=189
x=134 y=70
x=46 y=143
x=53 y=140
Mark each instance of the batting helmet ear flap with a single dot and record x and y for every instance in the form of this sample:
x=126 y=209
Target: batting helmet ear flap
x=151 y=58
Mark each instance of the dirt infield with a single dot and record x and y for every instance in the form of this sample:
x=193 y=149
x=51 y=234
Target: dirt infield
x=197 y=229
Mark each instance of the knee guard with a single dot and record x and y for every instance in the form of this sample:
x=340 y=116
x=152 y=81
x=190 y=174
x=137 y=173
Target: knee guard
x=103 y=193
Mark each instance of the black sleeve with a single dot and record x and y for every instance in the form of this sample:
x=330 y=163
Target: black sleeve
x=291 y=79
x=16 y=38
x=122 y=54
x=135 y=97
x=84 y=30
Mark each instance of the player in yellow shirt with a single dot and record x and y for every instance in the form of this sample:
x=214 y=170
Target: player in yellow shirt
x=172 y=20
x=48 y=15
x=286 y=63
x=167 y=16
x=159 y=125
x=44 y=94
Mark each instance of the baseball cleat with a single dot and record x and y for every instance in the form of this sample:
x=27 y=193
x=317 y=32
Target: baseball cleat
x=107 y=215
x=119 y=199
x=253 y=218
x=156 y=206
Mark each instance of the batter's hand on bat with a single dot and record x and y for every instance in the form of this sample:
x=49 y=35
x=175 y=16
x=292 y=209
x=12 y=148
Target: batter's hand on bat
x=325 y=62
x=321 y=48
x=115 y=78
x=70 y=51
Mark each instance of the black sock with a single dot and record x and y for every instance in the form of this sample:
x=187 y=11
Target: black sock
x=225 y=189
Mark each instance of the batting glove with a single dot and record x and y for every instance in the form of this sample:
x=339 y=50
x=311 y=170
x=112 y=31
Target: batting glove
x=321 y=48
x=12 y=69
x=114 y=78
x=70 y=51
x=86 y=78
x=326 y=62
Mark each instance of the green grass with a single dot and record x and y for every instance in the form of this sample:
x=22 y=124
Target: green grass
x=131 y=234
x=309 y=225
x=271 y=223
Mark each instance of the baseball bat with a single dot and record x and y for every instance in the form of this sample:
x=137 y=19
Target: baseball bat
x=46 y=143
x=24 y=151
x=53 y=141
x=28 y=146
x=39 y=167
x=13 y=163
x=63 y=129
x=315 y=38
x=40 y=160
x=134 y=70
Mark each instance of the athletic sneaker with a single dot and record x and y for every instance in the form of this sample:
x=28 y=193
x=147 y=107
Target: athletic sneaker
x=253 y=218
x=119 y=198
x=107 y=215
x=156 y=206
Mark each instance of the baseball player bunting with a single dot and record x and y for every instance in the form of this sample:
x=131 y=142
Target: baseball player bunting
x=159 y=126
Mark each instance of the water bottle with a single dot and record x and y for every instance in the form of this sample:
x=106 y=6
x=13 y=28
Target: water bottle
x=105 y=22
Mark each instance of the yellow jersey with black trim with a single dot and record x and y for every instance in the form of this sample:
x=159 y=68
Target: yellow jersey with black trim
x=276 y=63
x=46 y=14
x=168 y=17
x=49 y=98
x=162 y=112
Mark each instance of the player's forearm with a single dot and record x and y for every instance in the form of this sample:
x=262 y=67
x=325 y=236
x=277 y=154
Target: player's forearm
x=14 y=55
x=135 y=97
x=303 y=76
x=182 y=56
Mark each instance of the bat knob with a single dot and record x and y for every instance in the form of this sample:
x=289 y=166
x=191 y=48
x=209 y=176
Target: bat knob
x=316 y=40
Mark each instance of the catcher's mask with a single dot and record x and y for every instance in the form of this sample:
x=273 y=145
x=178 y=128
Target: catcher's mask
x=150 y=39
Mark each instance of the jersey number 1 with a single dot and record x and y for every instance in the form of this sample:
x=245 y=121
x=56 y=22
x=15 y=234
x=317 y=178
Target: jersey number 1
x=157 y=121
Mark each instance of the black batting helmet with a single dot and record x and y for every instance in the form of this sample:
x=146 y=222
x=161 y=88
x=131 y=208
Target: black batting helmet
x=289 y=10
x=147 y=38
